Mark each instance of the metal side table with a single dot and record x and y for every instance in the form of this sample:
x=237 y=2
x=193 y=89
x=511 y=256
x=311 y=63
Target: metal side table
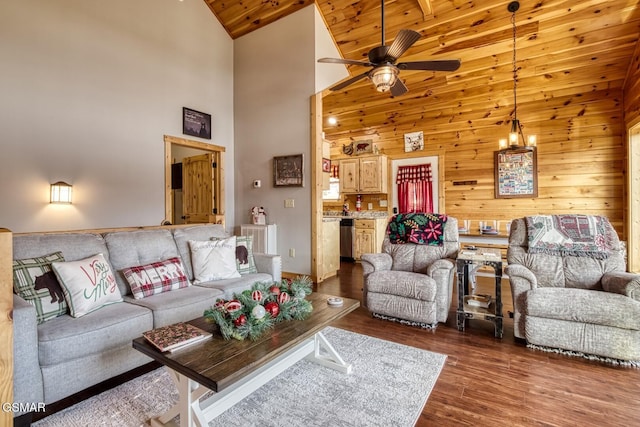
x=467 y=259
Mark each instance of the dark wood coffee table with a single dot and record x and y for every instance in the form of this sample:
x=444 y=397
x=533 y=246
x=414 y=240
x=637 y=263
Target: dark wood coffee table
x=234 y=369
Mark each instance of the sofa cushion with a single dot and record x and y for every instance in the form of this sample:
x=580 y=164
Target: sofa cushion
x=36 y=283
x=182 y=236
x=213 y=259
x=180 y=305
x=403 y=283
x=229 y=287
x=66 y=338
x=74 y=246
x=584 y=306
x=140 y=247
x=157 y=277
x=87 y=284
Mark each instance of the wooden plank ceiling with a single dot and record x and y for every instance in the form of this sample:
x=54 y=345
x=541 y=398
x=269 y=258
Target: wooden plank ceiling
x=563 y=46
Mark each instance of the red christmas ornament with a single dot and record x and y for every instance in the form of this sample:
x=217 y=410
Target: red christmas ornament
x=240 y=320
x=274 y=290
x=233 y=305
x=256 y=295
x=283 y=297
x=220 y=303
x=272 y=308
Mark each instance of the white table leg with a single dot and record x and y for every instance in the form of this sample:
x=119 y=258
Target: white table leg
x=331 y=360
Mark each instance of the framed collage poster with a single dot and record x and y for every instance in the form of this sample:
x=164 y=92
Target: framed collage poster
x=516 y=173
x=288 y=171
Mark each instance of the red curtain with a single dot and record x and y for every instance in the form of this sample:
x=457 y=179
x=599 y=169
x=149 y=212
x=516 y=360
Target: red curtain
x=415 y=188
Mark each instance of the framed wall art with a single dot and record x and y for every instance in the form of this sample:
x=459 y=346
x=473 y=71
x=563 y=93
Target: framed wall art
x=413 y=141
x=363 y=147
x=288 y=171
x=196 y=123
x=326 y=165
x=516 y=173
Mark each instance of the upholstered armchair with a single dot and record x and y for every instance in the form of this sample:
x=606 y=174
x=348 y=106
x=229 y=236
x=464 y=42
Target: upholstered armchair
x=571 y=293
x=412 y=282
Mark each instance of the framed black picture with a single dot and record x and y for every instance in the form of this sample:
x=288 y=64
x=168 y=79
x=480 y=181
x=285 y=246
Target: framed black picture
x=196 y=123
x=288 y=171
x=516 y=173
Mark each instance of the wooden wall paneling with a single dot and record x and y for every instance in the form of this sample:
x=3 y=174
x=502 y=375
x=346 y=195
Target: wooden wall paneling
x=6 y=324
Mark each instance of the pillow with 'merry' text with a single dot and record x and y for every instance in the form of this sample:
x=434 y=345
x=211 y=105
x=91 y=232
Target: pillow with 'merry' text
x=157 y=277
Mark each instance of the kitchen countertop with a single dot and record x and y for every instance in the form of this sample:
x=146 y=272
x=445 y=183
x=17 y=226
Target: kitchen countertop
x=355 y=215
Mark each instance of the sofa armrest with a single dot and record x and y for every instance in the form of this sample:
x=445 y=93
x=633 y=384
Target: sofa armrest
x=269 y=263
x=441 y=266
x=375 y=262
x=27 y=376
x=522 y=280
x=623 y=283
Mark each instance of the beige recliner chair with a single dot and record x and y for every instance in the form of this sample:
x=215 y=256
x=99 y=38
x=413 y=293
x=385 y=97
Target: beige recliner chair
x=412 y=283
x=573 y=301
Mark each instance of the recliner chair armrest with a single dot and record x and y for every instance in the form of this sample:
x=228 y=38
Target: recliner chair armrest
x=269 y=263
x=522 y=280
x=440 y=264
x=623 y=283
x=375 y=262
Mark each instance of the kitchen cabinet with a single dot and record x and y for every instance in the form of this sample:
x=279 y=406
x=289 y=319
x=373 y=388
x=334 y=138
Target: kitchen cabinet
x=330 y=248
x=369 y=234
x=363 y=175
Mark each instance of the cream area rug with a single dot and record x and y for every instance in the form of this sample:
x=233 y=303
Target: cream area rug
x=389 y=386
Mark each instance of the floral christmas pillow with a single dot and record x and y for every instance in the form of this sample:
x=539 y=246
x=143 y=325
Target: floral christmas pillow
x=87 y=284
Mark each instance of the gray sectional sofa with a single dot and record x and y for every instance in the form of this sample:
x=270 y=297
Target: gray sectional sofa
x=64 y=355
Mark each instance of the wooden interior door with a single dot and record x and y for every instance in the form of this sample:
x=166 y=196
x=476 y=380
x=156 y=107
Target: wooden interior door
x=198 y=189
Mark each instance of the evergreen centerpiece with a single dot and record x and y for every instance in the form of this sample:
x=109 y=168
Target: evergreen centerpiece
x=255 y=311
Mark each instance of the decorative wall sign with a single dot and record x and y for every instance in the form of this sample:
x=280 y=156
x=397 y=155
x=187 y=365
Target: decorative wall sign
x=288 y=171
x=364 y=147
x=196 y=123
x=326 y=165
x=413 y=141
x=516 y=173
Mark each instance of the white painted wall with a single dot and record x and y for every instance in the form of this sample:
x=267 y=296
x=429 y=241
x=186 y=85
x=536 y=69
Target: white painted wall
x=275 y=77
x=88 y=89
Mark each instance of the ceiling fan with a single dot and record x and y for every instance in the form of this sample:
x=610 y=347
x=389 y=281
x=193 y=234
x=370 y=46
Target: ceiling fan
x=384 y=73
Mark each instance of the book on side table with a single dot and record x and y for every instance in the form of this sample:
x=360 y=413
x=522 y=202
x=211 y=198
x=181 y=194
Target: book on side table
x=176 y=336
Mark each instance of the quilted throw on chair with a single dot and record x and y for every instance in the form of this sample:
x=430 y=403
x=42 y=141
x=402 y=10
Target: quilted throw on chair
x=572 y=235
x=418 y=228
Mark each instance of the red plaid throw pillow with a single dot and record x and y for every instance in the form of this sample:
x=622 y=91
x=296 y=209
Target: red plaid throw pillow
x=157 y=277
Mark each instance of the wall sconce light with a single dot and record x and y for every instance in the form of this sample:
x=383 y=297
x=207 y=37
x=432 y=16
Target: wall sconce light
x=61 y=192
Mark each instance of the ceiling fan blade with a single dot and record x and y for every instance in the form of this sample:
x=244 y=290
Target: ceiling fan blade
x=442 y=65
x=348 y=82
x=344 y=61
x=404 y=40
x=399 y=88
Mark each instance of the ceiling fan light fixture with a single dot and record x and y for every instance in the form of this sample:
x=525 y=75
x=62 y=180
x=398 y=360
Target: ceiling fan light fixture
x=384 y=77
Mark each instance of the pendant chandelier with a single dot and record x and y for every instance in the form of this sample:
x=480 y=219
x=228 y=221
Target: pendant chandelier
x=516 y=133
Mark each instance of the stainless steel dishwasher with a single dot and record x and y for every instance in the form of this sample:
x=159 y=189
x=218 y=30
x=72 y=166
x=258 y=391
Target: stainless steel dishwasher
x=347 y=234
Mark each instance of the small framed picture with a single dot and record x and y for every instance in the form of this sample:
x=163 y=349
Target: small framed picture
x=413 y=141
x=288 y=171
x=326 y=165
x=196 y=123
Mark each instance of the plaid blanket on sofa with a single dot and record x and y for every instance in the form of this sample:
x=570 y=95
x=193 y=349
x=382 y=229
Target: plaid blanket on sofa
x=572 y=235
x=418 y=228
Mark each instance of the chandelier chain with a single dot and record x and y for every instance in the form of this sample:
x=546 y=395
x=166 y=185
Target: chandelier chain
x=515 y=70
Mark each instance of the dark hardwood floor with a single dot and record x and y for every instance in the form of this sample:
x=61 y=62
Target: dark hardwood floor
x=488 y=381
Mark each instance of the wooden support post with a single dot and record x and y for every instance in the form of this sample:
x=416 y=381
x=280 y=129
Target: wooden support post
x=6 y=324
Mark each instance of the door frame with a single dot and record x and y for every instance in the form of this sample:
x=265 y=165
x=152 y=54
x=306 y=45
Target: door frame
x=169 y=141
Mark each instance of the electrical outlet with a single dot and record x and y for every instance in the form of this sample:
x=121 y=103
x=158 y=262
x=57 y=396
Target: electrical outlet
x=289 y=203
x=292 y=253
x=370 y=206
